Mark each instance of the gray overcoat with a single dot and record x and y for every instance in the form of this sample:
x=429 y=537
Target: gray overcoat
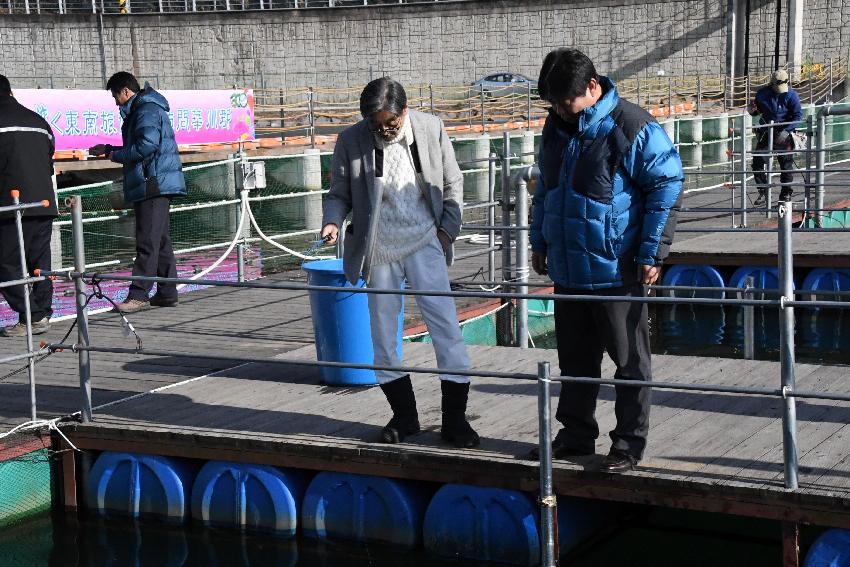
x=353 y=188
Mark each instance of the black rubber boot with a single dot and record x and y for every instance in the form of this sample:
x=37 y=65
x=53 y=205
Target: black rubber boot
x=455 y=427
x=405 y=419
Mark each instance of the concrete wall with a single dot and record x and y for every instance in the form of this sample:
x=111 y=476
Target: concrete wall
x=445 y=43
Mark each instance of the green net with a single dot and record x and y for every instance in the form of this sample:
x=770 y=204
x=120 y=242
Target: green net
x=25 y=488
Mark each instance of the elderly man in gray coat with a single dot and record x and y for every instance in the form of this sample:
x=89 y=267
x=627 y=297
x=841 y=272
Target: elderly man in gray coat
x=395 y=172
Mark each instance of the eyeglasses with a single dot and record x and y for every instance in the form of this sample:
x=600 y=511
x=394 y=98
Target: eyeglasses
x=390 y=130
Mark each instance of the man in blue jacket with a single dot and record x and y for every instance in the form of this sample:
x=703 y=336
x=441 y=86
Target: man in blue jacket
x=776 y=102
x=603 y=221
x=153 y=175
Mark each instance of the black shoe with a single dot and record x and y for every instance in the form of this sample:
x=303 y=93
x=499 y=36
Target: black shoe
x=405 y=421
x=618 y=461
x=785 y=196
x=560 y=450
x=159 y=301
x=760 y=200
x=455 y=428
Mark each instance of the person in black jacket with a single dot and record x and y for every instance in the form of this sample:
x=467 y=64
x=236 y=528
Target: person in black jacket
x=26 y=164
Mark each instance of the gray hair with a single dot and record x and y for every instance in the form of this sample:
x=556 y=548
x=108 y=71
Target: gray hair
x=383 y=94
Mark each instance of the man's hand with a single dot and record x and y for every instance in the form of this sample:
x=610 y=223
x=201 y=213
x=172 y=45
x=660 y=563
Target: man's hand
x=331 y=230
x=445 y=241
x=98 y=150
x=538 y=263
x=648 y=274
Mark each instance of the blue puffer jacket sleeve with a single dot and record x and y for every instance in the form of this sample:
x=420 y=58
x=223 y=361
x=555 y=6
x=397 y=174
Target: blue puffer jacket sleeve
x=146 y=137
x=795 y=111
x=655 y=167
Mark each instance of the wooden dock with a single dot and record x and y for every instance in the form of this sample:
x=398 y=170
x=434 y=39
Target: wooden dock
x=710 y=452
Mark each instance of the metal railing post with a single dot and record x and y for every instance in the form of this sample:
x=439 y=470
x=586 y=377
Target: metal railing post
x=491 y=217
x=746 y=128
x=504 y=318
x=483 y=124
x=312 y=117
x=820 y=164
x=82 y=314
x=638 y=91
x=548 y=502
x=431 y=96
x=699 y=93
x=749 y=320
x=22 y=252
x=807 y=199
x=670 y=96
x=829 y=92
x=240 y=262
x=786 y=345
x=769 y=171
x=521 y=217
x=528 y=101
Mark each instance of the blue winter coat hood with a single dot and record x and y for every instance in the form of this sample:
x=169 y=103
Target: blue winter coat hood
x=149 y=153
x=607 y=194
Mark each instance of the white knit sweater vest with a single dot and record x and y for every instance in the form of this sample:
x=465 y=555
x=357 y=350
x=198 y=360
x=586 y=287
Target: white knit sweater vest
x=406 y=224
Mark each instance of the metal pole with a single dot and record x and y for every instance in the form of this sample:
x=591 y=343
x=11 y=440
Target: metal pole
x=638 y=90
x=505 y=315
x=522 y=262
x=769 y=191
x=483 y=126
x=699 y=93
x=807 y=201
x=528 y=100
x=749 y=320
x=786 y=345
x=732 y=173
x=82 y=314
x=548 y=502
x=240 y=261
x=491 y=217
x=431 y=96
x=670 y=96
x=746 y=128
x=312 y=118
x=22 y=251
x=821 y=164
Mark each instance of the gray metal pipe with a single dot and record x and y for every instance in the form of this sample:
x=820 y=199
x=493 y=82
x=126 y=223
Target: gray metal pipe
x=768 y=213
x=821 y=164
x=504 y=318
x=22 y=252
x=521 y=271
x=240 y=262
x=749 y=320
x=786 y=345
x=548 y=502
x=491 y=215
x=84 y=359
x=746 y=125
x=22 y=281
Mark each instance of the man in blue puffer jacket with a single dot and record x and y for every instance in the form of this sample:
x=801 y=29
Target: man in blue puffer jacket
x=153 y=175
x=604 y=217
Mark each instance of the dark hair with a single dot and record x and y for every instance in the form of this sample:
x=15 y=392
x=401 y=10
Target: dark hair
x=120 y=80
x=5 y=87
x=565 y=74
x=383 y=94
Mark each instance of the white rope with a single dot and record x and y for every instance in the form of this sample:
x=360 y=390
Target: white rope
x=37 y=424
x=247 y=208
x=230 y=248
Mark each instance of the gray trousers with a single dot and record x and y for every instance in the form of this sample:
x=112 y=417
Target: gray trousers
x=424 y=270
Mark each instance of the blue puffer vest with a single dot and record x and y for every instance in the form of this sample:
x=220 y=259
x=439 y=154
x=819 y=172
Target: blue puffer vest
x=607 y=195
x=150 y=150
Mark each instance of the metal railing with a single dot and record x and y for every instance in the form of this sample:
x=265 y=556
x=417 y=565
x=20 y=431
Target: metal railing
x=786 y=389
x=180 y=6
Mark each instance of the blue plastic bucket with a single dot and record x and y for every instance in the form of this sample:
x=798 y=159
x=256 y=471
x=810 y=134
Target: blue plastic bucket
x=831 y=549
x=365 y=509
x=140 y=486
x=253 y=497
x=341 y=324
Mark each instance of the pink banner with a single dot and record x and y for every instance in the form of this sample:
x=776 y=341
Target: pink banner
x=81 y=119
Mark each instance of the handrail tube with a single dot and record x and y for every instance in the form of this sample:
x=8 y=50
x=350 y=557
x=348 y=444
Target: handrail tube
x=27 y=314
x=786 y=345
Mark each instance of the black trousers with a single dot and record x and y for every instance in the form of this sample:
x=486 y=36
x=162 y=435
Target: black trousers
x=37 y=233
x=786 y=163
x=154 y=254
x=584 y=331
